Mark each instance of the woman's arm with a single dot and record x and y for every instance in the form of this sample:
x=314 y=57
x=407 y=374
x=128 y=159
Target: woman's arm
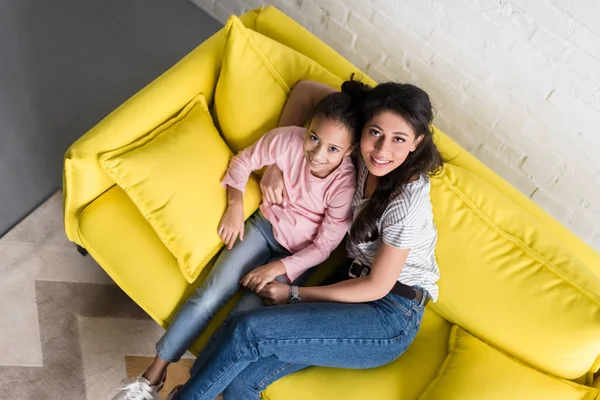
x=301 y=102
x=385 y=271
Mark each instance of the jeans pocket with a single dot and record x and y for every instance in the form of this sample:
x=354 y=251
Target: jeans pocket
x=401 y=303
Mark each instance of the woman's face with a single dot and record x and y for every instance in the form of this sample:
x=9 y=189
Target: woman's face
x=386 y=141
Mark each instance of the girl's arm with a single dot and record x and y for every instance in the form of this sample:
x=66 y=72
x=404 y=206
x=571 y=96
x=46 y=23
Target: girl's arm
x=330 y=234
x=232 y=223
x=266 y=151
x=301 y=102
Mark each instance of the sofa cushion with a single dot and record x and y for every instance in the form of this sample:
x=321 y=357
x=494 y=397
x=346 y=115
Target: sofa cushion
x=124 y=243
x=507 y=279
x=173 y=176
x=254 y=83
x=405 y=378
x=474 y=370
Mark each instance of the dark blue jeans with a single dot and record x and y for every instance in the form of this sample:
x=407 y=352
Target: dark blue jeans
x=257 y=347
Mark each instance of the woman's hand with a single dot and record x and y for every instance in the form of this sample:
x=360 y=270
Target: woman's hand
x=272 y=186
x=258 y=278
x=232 y=225
x=275 y=293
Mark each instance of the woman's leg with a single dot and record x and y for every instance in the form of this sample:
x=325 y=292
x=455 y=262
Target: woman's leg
x=221 y=283
x=257 y=376
x=364 y=335
x=249 y=301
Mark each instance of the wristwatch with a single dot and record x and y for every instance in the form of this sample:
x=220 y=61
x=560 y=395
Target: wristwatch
x=294 y=296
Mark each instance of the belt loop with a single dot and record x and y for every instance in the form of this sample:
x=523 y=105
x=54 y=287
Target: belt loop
x=424 y=298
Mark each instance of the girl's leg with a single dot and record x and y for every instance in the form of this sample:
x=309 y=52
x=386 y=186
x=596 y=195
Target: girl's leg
x=249 y=300
x=257 y=376
x=155 y=372
x=340 y=335
x=221 y=283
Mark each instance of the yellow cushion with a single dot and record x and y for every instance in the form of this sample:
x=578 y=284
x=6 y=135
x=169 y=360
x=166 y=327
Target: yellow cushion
x=84 y=179
x=506 y=278
x=255 y=80
x=474 y=370
x=405 y=378
x=173 y=176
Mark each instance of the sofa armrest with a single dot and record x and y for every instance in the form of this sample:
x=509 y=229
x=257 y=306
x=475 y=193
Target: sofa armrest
x=83 y=178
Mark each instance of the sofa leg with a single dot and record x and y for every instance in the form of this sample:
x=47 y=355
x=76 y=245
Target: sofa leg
x=82 y=251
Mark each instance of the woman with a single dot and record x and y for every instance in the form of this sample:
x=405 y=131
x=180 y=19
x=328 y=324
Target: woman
x=372 y=314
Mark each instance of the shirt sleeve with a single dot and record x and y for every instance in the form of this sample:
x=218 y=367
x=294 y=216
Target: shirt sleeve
x=329 y=235
x=395 y=230
x=265 y=151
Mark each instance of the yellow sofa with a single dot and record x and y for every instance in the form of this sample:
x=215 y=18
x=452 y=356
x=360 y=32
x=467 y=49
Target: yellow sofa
x=519 y=310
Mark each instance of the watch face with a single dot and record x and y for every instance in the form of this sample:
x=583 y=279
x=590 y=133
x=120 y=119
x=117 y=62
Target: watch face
x=295 y=300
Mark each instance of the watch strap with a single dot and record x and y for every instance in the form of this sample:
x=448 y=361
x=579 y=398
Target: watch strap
x=294 y=296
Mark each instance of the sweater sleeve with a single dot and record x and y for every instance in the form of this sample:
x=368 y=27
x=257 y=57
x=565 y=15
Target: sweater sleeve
x=265 y=151
x=336 y=222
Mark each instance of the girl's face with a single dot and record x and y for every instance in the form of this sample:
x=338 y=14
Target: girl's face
x=326 y=144
x=386 y=141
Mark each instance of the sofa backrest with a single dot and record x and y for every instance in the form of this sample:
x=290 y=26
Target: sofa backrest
x=510 y=281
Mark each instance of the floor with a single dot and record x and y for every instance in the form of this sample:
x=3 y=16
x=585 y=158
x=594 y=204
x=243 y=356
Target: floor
x=68 y=332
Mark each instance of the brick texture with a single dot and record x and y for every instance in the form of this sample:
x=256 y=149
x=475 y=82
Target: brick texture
x=516 y=82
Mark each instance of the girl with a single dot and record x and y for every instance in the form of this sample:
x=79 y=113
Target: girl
x=369 y=317
x=280 y=240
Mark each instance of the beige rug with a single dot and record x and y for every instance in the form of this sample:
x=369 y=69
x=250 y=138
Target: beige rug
x=67 y=331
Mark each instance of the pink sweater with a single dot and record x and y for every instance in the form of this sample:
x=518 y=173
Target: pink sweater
x=314 y=218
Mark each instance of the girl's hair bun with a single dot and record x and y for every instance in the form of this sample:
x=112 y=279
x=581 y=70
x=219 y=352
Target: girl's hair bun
x=356 y=89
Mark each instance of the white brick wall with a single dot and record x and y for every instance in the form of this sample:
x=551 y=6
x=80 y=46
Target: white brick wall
x=516 y=82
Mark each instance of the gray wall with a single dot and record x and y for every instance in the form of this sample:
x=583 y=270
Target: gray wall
x=64 y=65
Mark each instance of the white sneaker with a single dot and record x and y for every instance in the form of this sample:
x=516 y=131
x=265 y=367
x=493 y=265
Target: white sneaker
x=139 y=389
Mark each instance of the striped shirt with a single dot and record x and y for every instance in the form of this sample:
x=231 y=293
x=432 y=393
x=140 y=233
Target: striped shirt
x=406 y=223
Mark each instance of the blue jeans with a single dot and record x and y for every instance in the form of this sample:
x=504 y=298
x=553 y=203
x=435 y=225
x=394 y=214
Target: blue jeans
x=257 y=347
x=258 y=248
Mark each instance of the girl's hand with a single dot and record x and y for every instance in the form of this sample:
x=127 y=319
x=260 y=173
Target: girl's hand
x=258 y=278
x=272 y=186
x=275 y=293
x=232 y=225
